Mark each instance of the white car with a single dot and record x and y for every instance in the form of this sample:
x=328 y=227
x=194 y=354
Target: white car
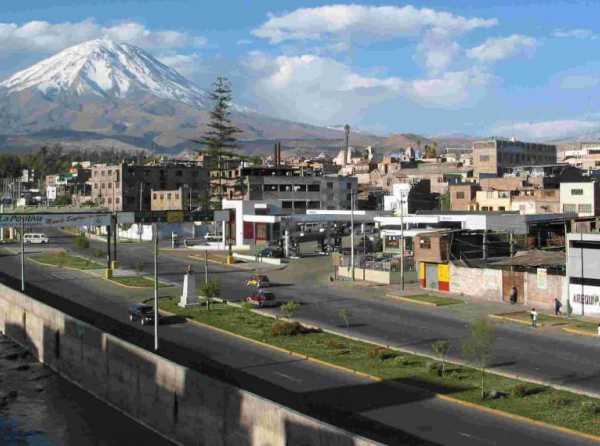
x=35 y=238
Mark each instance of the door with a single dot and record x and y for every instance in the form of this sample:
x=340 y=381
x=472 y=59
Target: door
x=431 y=276
x=513 y=279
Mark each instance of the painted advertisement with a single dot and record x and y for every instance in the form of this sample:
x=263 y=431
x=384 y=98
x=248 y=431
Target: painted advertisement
x=584 y=299
x=542 y=278
x=41 y=220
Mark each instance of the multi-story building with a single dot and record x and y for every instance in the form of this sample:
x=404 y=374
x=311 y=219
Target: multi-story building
x=299 y=193
x=462 y=196
x=536 y=201
x=492 y=156
x=493 y=200
x=586 y=156
x=168 y=200
x=581 y=197
x=126 y=187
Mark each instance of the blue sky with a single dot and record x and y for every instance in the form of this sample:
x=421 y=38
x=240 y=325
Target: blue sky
x=524 y=68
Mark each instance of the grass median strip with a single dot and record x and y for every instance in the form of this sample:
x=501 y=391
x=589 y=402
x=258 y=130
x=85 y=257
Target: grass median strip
x=429 y=299
x=66 y=260
x=138 y=282
x=516 y=397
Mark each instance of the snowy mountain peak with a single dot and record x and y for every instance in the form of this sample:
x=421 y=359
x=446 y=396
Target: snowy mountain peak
x=105 y=68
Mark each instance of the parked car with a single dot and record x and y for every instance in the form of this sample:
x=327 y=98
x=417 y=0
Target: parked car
x=271 y=252
x=35 y=238
x=259 y=281
x=143 y=313
x=262 y=298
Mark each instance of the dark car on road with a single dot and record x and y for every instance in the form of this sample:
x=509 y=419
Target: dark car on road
x=275 y=253
x=143 y=313
x=262 y=298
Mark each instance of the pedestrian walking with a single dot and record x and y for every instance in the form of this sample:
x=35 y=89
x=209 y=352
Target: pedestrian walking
x=513 y=295
x=557 y=306
x=534 y=316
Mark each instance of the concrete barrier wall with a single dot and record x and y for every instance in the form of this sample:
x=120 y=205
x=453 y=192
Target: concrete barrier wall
x=376 y=276
x=178 y=402
x=482 y=283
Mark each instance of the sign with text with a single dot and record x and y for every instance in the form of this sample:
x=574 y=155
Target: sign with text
x=586 y=298
x=542 y=278
x=41 y=220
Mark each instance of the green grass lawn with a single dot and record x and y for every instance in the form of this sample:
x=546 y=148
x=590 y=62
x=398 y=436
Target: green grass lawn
x=540 y=403
x=432 y=299
x=66 y=260
x=590 y=327
x=138 y=281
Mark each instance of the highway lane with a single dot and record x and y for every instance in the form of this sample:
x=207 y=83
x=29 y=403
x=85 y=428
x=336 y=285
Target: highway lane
x=401 y=408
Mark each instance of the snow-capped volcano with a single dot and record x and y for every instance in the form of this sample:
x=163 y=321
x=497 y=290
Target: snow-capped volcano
x=106 y=68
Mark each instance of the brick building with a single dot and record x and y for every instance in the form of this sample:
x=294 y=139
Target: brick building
x=492 y=156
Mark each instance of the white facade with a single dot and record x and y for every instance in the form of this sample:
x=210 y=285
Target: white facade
x=580 y=198
x=51 y=193
x=583 y=273
x=398 y=201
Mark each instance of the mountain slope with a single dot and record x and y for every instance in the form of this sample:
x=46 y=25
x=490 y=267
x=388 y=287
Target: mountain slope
x=118 y=90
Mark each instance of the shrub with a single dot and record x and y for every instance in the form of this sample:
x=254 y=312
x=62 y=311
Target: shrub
x=332 y=343
x=283 y=328
x=433 y=367
x=289 y=308
x=81 y=241
x=558 y=401
x=381 y=353
x=519 y=391
x=590 y=408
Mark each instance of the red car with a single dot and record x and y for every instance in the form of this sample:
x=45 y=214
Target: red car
x=262 y=298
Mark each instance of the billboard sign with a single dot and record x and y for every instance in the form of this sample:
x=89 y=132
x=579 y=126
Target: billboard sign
x=586 y=298
x=42 y=220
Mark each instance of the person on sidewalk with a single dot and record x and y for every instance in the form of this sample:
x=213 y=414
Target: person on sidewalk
x=557 y=306
x=513 y=295
x=599 y=330
x=534 y=316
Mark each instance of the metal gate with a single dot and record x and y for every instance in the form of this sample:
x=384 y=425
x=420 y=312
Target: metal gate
x=431 y=276
x=513 y=279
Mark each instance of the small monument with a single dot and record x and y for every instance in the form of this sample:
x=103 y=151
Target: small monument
x=189 y=298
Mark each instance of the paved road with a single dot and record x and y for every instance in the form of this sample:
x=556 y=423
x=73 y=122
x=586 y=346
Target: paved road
x=404 y=410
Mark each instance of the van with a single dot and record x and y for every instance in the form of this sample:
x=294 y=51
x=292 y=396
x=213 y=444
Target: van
x=35 y=238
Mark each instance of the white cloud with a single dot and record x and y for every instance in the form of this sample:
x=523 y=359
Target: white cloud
x=322 y=90
x=378 y=22
x=544 y=130
x=578 y=33
x=495 y=49
x=45 y=37
x=437 y=53
x=186 y=64
x=579 y=81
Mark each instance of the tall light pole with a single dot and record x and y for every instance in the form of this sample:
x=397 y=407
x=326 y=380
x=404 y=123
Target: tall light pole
x=352 y=232
x=401 y=201
x=155 y=231
x=22 y=253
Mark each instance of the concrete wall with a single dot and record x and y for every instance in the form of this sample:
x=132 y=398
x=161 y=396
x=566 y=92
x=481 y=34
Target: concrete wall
x=478 y=282
x=183 y=404
x=371 y=275
x=543 y=297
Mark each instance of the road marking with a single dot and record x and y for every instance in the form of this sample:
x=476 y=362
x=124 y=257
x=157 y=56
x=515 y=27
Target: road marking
x=291 y=378
x=474 y=437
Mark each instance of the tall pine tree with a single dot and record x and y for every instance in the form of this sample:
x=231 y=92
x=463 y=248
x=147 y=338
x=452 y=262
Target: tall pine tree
x=219 y=138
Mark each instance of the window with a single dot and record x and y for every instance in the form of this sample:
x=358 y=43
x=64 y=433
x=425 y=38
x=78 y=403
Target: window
x=162 y=197
x=314 y=205
x=168 y=196
x=299 y=187
x=109 y=200
x=117 y=200
x=177 y=196
x=501 y=208
x=348 y=186
x=314 y=187
x=178 y=173
x=425 y=243
x=585 y=208
x=95 y=185
x=569 y=208
x=103 y=186
x=270 y=187
x=460 y=195
x=110 y=185
x=154 y=196
x=329 y=185
x=299 y=204
x=286 y=204
x=103 y=173
x=484 y=158
x=576 y=191
x=285 y=188
x=348 y=197
x=117 y=185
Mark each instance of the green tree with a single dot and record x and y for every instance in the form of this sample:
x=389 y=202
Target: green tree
x=440 y=349
x=220 y=137
x=478 y=347
x=345 y=315
x=209 y=290
x=289 y=309
x=82 y=242
x=445 y=202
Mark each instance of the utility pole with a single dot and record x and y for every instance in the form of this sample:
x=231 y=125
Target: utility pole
x=205 y=266
x=484 y=252
x=364 y=249
x=402 y=240
x=155 y=231
x=108 y=256
x=115 y=235
x=352 y=232
x=22 y=253
x=582 y=274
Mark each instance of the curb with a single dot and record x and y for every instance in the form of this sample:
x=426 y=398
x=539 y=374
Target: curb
x=136 y=287
x=516 y=321
x=375 y=378
x=580 y=332
x=413 y=301
x=64 y=267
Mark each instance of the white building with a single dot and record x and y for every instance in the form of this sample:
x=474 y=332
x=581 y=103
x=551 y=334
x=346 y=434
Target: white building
x=397 y=202
x=581 y=197
x=583 y=273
